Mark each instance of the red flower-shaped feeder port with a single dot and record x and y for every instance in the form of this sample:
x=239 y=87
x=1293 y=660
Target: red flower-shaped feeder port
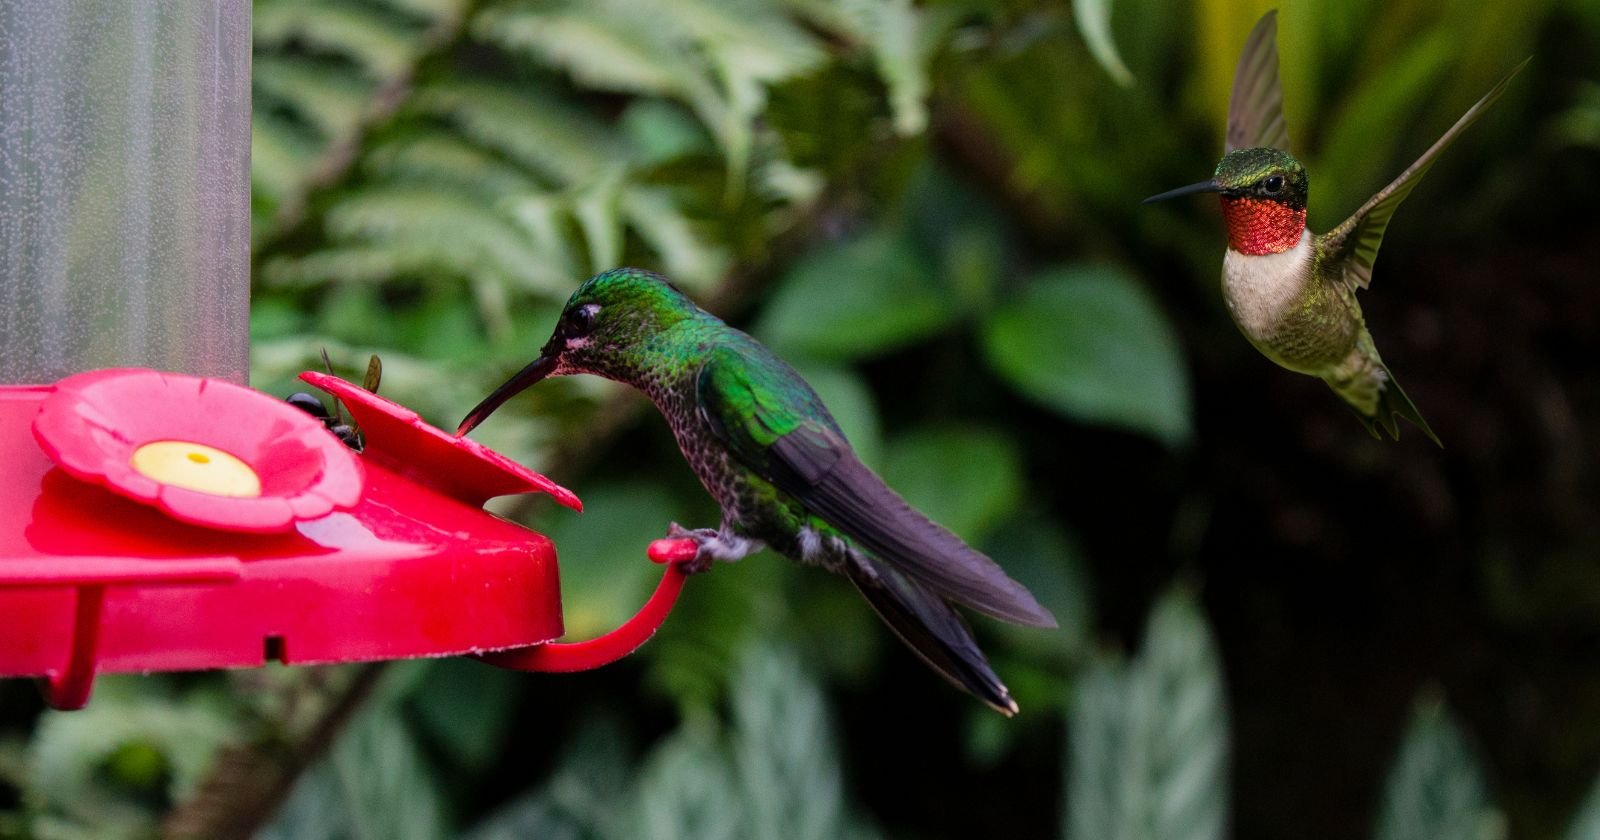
x=161 y=522
x=204 y=451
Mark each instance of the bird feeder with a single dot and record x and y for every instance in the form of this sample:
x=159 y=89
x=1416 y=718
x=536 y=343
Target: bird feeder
x=165 y=517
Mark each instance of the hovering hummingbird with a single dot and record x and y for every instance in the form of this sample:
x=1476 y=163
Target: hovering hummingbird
x=767 y=449
x=1292 y=293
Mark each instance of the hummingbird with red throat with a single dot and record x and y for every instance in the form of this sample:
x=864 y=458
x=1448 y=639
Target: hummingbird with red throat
x=1291 y=292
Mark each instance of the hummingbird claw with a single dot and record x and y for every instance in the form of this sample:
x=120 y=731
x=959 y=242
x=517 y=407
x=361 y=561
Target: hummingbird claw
x=726 y=545
x=700 y=537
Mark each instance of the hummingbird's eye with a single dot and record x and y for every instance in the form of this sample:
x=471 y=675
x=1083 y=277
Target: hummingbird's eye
x=1273 y=185
x=581 y=322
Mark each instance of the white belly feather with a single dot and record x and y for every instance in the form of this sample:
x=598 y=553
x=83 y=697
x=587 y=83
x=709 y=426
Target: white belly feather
x=1260 y=290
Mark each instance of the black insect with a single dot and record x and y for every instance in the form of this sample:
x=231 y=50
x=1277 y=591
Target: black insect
x=347 y=433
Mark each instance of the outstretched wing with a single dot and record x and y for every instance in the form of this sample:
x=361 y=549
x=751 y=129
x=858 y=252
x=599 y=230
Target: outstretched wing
x=1355 y=242
x=1255 y=108
x=773 y=422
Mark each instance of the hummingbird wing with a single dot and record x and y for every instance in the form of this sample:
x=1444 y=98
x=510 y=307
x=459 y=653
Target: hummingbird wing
x=1355 y=242
x=774 y=423
x=1255 y=108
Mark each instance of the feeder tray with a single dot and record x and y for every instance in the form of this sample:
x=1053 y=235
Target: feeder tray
x=160 y=522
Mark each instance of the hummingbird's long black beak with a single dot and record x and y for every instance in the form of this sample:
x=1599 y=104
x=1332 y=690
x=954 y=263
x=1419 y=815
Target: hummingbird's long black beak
x=1202 y=187
x=536 y=370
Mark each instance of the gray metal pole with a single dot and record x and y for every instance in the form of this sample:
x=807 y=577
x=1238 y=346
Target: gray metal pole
x=124 y=186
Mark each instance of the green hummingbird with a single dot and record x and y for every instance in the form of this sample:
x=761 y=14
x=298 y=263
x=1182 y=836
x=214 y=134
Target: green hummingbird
x=769 y=452
x=1292 y=293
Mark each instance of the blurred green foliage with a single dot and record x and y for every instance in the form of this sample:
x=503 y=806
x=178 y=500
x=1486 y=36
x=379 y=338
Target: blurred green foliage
x=931 y=210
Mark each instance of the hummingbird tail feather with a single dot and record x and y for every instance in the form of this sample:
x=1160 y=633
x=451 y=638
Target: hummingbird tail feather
x=932 y=628
x=1377 y=398
x=1392 y=400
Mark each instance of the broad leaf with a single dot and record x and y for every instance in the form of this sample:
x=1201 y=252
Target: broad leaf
x=687 y=791
x=466 y=707
x=375 y=784
x=1435 y=787
x=1089 y=342
x=785 y=749
x=1148 y=742
x=859 y=298
x=1586 y=825
x=967 y=479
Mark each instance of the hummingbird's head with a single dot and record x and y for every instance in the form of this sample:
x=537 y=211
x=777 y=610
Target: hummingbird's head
x=606 y=328
x=1263 y=195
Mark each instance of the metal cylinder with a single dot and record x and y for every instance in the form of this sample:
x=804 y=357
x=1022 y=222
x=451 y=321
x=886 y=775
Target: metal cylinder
x=124 y=187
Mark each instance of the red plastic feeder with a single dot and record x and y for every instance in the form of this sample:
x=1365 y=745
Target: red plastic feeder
x=160 y=522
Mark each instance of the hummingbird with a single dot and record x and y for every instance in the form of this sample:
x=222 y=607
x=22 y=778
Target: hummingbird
x=1293 y=293
x=766 y=448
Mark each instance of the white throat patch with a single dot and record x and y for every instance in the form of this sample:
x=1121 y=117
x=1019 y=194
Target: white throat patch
x=1260 y=290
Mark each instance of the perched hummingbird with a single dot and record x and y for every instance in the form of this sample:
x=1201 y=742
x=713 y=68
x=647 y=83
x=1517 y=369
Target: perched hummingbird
x=1292 y=293
x=767 y=449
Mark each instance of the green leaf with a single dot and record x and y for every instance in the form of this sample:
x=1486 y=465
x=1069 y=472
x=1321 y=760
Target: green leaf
x=446 y=161
x=315 y=810
x=902 y=55
x=107 y=769
x=689 y=792
x=1089 y=342
x=380 y=45
x=663 y=131
x=1388 y=99
x=1097 y=740
x=786 y=753
x=1094 y=21
x=1586 y=825
x=686 y=255
x=581 y=800
x=466 y=708
x=1435 y=788
x=330 y=98
x=964 y=231
x=527 y=125
x=968 y=479
x=1148 y=742
x=602 y=48
x=388 y=786
x=857 y=298
x=374 y=785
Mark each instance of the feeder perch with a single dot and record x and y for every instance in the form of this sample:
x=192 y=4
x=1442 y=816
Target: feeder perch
x=161 y=522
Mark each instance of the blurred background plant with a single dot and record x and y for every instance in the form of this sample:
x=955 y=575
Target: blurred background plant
x=932 y=210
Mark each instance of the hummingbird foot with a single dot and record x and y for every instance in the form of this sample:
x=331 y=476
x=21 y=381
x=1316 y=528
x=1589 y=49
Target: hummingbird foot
x=712 y=544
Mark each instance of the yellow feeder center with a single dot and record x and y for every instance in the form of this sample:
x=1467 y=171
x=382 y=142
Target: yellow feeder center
x=195 y=466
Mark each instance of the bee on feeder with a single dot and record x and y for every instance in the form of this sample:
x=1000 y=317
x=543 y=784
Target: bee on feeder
x=348 y=433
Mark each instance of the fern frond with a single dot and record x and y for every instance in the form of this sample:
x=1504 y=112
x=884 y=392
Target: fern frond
x=327 y=96
x=281 y=150
x=427 y=229
x=380 y=44
x=447 y=161
x=685 y=255
x=598 y=47
x=556 y=140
